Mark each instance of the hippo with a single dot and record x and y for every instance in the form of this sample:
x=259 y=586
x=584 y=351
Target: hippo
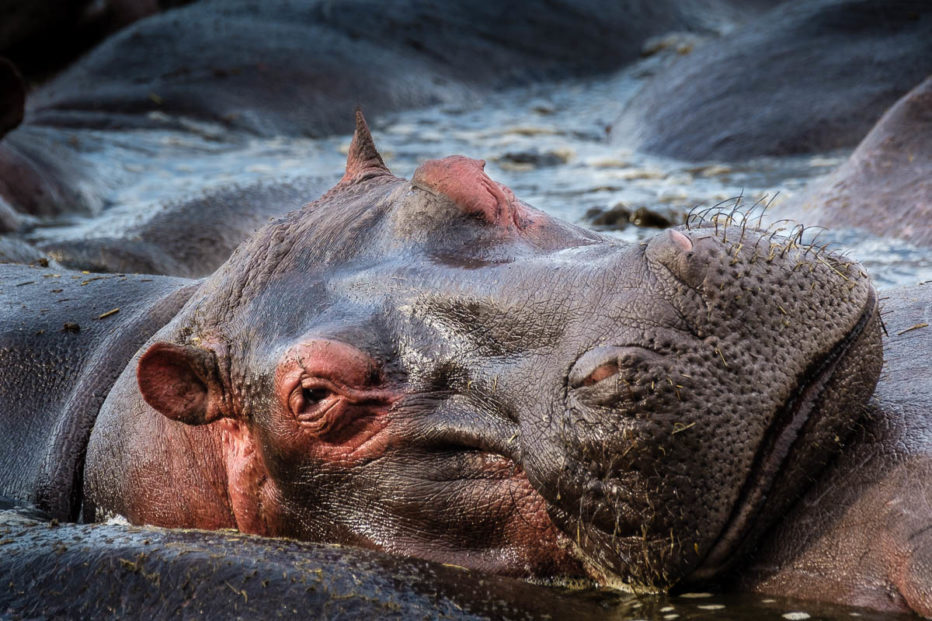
x=782 y=83
x=160 y=244
x=886 y=185
x=434 y=369
x=859 y=534
x=233 y=61
x=111 y=569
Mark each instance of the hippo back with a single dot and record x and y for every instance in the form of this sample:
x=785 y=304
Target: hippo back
x=64 y=339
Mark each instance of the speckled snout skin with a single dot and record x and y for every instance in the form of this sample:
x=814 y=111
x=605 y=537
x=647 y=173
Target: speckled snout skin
x=433 y=368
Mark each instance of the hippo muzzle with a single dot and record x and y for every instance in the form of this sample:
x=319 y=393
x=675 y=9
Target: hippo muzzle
x=740 y=365
x=434 y=368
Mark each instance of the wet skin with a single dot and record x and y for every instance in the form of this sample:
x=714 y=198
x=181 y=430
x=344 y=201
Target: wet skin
x=433 y=368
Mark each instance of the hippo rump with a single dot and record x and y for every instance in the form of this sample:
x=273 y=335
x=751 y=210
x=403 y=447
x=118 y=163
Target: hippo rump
x=434 y=369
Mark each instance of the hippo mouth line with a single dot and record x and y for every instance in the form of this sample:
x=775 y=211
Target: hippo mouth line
x=788 y=424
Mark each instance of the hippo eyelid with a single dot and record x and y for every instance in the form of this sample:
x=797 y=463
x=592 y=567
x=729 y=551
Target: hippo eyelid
x=602 y=363
x=347 y=393
x=305 y=398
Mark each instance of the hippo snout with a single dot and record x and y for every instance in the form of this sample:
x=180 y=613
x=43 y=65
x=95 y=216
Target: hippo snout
x=677 y=424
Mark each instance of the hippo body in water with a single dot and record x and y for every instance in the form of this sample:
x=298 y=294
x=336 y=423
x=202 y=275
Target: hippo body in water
x=435 y=369
x=885 y=186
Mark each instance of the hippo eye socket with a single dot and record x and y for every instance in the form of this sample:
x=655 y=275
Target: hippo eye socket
x=312 y=397
x=616 y=377
x=315 y=395
x=606 y=370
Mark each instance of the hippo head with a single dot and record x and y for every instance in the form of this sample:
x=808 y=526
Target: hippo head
x=434 y=368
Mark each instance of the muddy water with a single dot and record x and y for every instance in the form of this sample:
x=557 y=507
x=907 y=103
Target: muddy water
x=549 y=144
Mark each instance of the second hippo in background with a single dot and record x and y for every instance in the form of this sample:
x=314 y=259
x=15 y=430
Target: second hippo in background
x=886 y=185
x=806 y=77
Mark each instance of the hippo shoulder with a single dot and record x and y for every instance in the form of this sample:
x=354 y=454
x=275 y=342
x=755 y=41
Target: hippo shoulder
x=64 y=338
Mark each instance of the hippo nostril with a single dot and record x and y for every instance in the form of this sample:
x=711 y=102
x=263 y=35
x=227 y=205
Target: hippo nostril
x=681 y=240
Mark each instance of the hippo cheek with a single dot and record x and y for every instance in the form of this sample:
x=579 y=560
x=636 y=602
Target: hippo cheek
x=629 y=489
x=460 y=506
x=328 y=411
x=358 y=463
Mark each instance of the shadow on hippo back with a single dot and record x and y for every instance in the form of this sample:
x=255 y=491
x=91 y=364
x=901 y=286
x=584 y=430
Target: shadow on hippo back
x=433 y=368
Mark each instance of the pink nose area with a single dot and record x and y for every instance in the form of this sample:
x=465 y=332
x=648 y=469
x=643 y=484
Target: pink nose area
x=681 y=240
x=679 y=253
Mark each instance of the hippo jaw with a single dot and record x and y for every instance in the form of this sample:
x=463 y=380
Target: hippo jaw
x=800 y=413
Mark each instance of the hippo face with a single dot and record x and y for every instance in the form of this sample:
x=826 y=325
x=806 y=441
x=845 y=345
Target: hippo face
x=434 y=368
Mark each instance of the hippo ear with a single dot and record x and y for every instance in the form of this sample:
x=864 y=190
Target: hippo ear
x=181 y=382
x=363 y=161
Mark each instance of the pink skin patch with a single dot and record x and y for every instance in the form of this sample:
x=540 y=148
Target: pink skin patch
x=463 y=180
x=332 y=406
x=601 y=373
x=681 y=240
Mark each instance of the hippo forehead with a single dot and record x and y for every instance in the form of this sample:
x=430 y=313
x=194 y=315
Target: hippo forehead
x=450 y=226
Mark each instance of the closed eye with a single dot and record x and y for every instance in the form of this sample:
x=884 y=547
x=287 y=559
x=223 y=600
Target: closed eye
x=600 y=373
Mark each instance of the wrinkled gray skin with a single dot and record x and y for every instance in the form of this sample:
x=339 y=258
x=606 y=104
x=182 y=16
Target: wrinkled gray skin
x=56 y=378
x=433 y=368
x=126 y=571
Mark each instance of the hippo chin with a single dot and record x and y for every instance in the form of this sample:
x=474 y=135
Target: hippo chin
x=433 y=368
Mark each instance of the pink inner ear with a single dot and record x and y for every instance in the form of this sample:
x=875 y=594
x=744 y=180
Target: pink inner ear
x=464 y=181
x=173 y=380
